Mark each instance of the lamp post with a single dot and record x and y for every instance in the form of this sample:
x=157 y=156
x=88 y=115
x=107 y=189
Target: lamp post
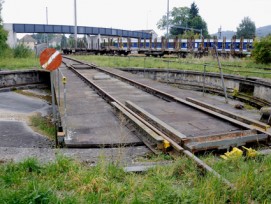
x=167 y=17
x=47 y=40
x=75 y=24
x=46 y=15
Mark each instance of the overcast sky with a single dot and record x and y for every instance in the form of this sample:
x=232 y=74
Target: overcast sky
x=134 y=14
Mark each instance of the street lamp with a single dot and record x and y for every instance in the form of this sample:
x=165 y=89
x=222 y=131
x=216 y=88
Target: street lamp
x=47 y=40
x=167 y=16
x=75 y=25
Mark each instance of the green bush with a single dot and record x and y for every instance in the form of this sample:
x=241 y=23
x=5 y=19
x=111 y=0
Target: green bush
x=262 y=50
x=22 y=51
x=3 y=37
x=6 y=53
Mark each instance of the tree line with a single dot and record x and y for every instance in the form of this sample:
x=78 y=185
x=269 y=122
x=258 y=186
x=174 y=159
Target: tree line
x=186 y=22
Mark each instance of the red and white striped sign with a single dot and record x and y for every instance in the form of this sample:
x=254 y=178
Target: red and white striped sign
x=50 y=59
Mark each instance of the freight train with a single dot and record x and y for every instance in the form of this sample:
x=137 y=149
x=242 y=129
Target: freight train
x=162 y=46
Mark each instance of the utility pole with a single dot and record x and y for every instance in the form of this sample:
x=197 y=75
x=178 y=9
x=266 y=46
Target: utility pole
x=75 y=24
x=46 y=15
x=219 y=32
x=47 y=40
x=167 y=17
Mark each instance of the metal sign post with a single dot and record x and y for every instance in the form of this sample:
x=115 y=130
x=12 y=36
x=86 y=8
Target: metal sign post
x=204 y=78
x=53 y=104
x=64 y=81
x=50 y=60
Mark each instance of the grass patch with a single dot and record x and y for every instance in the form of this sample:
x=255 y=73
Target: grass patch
x=11 y=63
x=67 y=181
x=43 y=125
x=235 y=66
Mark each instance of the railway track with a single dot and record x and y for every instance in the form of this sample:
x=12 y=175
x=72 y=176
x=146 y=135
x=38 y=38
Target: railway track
x=166 y=122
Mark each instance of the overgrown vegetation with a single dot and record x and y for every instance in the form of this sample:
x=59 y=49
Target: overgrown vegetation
x=12 y=63
x=22 y=51
x=43 y=125
x=66 y=181
x=3 y=33
x=262 y=50
x=20 y=57
x=235 y=66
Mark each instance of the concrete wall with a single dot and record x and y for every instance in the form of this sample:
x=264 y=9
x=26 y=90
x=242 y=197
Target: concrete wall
x=261 y=87
x=12 y=36
x=20 y=78
x=94 y=42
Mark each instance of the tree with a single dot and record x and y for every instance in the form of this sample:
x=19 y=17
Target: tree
x=1 y=6
x=194 y=11
x=262 y=50
x=63 y=41
x=3 y=33
x=178 y=16
x=198 y=23
x=181 y=18
x=246 y=29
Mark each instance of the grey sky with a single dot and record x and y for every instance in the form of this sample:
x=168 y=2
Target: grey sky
x=136 y=14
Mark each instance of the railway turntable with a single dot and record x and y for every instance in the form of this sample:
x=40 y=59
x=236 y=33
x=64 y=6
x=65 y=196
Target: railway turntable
x=102 y=94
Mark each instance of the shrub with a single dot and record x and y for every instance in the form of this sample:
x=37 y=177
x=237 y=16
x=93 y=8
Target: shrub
x=6 y=53
x=262 y=50
x=22 y=51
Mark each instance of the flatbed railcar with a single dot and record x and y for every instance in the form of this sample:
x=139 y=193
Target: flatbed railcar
x=161 y=46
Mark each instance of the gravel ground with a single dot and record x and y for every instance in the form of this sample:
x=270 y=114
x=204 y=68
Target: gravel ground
x=88 y=156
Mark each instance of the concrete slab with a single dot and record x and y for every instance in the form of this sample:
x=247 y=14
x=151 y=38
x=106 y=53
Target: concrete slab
x=11 y=101
x=101 y=76
x=183 y=118
x=15 y=110
x=18 y=134
x=90 y=120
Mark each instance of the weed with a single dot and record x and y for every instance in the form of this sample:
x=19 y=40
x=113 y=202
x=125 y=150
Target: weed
x=43 y=125
x=11 y=63
x=22 y=51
